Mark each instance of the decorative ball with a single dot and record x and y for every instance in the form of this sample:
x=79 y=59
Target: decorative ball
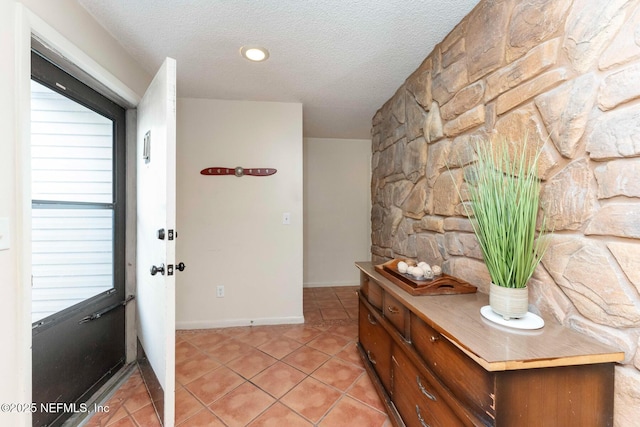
x=417 y=272
x=428 y=273
x=402 y=267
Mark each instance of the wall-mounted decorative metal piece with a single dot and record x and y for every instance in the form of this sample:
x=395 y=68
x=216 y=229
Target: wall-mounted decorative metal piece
x=239 y=171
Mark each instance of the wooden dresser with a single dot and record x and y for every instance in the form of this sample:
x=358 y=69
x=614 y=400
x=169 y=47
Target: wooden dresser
x=436 y=362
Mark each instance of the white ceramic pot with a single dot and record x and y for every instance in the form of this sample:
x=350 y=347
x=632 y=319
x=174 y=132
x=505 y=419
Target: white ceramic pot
x=510 y=303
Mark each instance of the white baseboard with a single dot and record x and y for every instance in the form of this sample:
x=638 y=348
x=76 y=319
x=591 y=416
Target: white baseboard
x=230 y=323
x=328 y=285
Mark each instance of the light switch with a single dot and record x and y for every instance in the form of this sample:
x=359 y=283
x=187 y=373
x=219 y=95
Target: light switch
x=4 y=234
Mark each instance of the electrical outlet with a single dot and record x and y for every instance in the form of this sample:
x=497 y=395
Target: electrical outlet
x=220 y=291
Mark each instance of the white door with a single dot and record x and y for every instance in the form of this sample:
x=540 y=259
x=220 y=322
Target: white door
x=156 y=198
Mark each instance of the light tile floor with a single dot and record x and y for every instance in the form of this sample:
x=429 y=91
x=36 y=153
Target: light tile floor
x=261 y=376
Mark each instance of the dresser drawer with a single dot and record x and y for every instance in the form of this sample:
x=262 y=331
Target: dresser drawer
x=416 y=398
x=396 y=313
x=471 y=383
x=364 y=285
x=452 y=372
x=376 y=343
x=375 y=294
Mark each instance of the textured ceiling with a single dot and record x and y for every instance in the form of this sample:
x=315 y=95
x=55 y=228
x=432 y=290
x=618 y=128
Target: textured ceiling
x=342 y=59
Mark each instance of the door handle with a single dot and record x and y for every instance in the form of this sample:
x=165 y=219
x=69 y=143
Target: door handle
x=181 y=266
x=100 y=313
x=155 y=270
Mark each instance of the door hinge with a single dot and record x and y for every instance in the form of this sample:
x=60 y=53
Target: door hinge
x=98 y=314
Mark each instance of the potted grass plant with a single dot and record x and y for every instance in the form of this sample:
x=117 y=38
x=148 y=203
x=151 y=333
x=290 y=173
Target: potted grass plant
x=504 y=199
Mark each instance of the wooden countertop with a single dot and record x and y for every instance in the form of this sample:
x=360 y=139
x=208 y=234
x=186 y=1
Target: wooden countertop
x=494 y=347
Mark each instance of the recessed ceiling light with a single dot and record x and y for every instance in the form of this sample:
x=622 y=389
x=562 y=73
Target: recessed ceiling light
x=254 y=53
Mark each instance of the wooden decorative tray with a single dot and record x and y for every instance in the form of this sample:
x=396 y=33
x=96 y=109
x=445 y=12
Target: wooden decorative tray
x=440 y=285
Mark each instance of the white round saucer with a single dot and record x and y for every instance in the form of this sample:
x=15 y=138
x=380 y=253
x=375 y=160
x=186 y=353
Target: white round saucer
x=529 y=321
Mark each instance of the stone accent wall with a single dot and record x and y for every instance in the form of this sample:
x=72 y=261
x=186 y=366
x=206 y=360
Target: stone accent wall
x=566 y=73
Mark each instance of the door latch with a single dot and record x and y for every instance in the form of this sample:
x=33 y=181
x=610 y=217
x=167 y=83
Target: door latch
x=170 y=234
x=179 y=267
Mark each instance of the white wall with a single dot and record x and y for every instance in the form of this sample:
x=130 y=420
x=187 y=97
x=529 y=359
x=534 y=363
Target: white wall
x=337 y=210
x=13 y=388
x=15 y=26
x=230 y=229
x=77 y=25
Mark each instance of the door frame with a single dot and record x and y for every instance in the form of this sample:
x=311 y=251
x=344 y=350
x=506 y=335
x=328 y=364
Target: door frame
x=29 y=25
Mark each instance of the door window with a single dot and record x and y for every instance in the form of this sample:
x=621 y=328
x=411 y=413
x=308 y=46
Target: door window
x=72 y=201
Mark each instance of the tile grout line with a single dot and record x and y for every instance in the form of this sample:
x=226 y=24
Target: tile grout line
x=324 y=326
x=278 y=400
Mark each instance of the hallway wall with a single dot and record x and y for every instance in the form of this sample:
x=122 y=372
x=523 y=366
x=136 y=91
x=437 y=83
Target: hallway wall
x=337 y=205
x=230 y=229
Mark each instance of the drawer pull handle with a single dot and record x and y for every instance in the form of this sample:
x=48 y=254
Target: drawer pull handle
x=371 y=319
x=393 y=310
x=371 y=359
x=422 y=421
x=434 y=338
x=424 y=390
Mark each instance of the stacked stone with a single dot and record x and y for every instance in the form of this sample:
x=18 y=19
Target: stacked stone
x=567 y=75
